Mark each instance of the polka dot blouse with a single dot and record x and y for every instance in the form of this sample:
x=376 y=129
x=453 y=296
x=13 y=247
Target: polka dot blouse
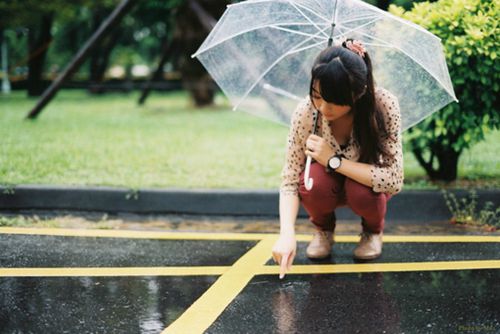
x=388 y=179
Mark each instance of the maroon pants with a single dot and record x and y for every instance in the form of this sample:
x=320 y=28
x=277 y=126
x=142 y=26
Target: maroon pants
x=331 y=191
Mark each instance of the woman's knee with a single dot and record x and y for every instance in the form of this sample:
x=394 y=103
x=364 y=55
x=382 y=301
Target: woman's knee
x=363 y=198
x=324 y=185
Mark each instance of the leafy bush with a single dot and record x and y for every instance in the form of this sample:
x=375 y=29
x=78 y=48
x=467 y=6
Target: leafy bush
x=469 y=30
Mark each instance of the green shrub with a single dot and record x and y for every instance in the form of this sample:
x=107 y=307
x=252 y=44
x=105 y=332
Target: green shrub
x=469 y=30
x=465 y=210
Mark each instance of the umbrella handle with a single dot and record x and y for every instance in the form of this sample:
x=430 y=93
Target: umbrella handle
x=308 y=182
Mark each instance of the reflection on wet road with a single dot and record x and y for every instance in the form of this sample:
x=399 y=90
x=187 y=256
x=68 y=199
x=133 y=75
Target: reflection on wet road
x=91 y=281
x=95 y=304
x=389 y=302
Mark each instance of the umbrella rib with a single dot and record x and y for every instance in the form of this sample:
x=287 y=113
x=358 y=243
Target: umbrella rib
x=301 y=5
x=364 y=34
x=295 y=31
x=319 y=5
x=306 y=17
x=415 y=60
x=280 y=91
x=377 y=44
x=272 y=65
x=249 y=30
x=401 y=20
x=312 y=11
x=304 y=48
x=371 y=7
x=358 y=27
x=359 y=18
x=243 y=3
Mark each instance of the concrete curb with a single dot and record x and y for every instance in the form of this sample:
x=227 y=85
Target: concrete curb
x=415 y=205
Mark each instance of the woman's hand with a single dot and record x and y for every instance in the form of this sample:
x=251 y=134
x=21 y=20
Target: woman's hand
x=284 y=251
x=319 y=149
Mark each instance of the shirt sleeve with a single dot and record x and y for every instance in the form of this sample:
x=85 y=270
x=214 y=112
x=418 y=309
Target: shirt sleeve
x=389 y=179
x=295 y=155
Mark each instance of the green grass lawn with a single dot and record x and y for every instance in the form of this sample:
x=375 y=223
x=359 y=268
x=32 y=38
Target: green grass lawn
x=108 y=140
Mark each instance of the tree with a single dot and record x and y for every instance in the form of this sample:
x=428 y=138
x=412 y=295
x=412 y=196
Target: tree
x=189 y=33
x=468 y=29
x=100 y=55
x=38 y=17
x=39 y=39
x=113 y=19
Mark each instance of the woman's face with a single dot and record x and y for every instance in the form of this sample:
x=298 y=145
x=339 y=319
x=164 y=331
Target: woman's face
x=330 y=111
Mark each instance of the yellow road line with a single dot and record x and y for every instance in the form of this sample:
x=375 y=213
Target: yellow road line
x=383 y=267
x=113 y=271
x=441 y=238
x=202 y=313
x=132 y=234
x=415 y=238
x=261 y=270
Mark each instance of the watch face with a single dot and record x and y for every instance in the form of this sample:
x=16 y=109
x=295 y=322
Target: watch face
x=334 y=162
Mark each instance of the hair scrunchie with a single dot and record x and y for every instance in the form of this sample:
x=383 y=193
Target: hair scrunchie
x=355 y=46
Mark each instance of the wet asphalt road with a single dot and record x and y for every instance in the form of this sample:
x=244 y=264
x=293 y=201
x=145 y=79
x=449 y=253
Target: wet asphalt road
x=427 y=301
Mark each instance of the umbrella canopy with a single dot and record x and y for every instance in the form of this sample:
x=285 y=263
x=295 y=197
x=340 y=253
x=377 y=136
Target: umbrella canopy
x=261 y=52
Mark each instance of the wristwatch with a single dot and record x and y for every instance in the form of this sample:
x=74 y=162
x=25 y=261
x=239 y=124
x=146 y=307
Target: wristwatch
x=334 y=162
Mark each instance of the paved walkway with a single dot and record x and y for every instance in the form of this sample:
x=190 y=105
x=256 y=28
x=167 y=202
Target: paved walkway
x=138 y=281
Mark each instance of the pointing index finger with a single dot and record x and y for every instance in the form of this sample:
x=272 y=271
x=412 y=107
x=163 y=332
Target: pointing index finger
x=283 y=265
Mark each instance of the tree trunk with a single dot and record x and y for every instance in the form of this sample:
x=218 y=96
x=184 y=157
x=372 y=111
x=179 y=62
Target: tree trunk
x=100 y=62
x=190 y=31
x=448 y=165
x=447 y=159
x=100 y=56
x=201 y=87
x=37 y=46
x=168 y=48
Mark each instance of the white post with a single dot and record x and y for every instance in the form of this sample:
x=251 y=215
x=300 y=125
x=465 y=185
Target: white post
x=5 y=67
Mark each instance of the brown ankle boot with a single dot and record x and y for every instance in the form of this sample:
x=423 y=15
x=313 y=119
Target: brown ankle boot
x=320 y=246
x=369 y=247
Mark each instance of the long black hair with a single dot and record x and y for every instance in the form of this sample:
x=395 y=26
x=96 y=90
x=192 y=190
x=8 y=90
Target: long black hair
x=345 y=78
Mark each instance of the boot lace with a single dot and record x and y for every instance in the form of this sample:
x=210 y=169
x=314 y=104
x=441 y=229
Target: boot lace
x=326 y=235
x=365 y=235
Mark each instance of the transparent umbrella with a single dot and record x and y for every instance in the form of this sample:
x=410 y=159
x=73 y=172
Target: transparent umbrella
x=260 y=53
